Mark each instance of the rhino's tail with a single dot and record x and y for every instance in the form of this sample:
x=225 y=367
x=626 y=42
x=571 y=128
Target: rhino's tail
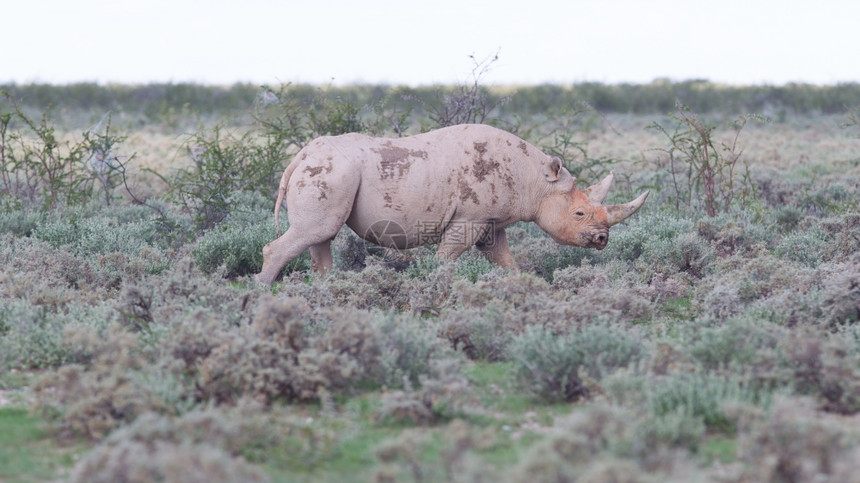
x=282 y=191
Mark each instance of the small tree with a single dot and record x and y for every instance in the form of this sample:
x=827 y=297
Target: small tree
x=468 y=103
x=701 y=171
x=39 y=168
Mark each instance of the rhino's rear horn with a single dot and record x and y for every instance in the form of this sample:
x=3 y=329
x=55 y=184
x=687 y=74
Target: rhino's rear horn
x=596 y=193
x=617 y=213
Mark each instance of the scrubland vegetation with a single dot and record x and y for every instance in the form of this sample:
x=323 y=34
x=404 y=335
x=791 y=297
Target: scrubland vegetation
x=716 y=338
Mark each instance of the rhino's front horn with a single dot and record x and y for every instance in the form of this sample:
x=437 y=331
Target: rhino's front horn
x=617 y=213
x=596 y=193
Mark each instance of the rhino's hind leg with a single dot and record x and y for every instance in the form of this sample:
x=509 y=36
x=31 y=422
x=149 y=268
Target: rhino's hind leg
x=321 y=257
x=497 y=250
x=279 y=252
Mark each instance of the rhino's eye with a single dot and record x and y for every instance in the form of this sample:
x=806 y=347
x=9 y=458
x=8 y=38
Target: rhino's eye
x=579 y=213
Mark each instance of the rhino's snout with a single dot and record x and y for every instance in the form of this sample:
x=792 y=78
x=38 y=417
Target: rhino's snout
x=598 y=239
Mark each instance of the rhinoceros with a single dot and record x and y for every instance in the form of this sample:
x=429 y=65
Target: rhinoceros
x=457 y=187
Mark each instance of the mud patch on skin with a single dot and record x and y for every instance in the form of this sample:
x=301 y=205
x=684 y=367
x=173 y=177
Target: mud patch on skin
x=524 y=148
x=396 y=161
x=506 y=175
x=322 y=186
x=481 y=168
x=313 y=170
x=467 y=193
x=389 y=202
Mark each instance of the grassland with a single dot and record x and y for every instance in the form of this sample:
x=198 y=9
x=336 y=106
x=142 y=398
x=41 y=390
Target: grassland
x=134 y=345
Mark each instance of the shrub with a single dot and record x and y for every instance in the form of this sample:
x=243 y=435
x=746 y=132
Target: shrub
x=275 y=358
x=548 y=365
x=740 y=283
x=200 y=447
x=666 y=243
x=224 y=165
x=700 y=171
x=238 y=250
x=383 y=287
x=840 y=293
x=409 y=348
x=19 y=223
x=481 y=334
x=844 y=232
x=808 y=247
x=619 y=303
x=117 y=241
x=591 y=444
x=576 y=278
x=825 y=366
x=93 y=398
x=608 y=348
x=795 y=444
x=739 y=344
x=734 y=233
x=472 y=266
x=701 y=397
x=37 y=337
x=443 y=395
x=553 y=366
x=39 y=168
x=467 y=103
x=237 y=242
x=431 y=285
x=31 y=337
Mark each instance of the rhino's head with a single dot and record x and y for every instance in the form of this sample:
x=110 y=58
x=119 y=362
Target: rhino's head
x=577 y=217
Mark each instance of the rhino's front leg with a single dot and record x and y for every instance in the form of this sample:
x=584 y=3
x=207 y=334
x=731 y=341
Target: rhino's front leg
x=451 y=246
x=497 y=250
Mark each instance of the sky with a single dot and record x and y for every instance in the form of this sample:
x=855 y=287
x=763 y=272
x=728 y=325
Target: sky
x=398 y=42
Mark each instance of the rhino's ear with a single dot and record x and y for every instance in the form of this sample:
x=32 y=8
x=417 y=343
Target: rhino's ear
x=551 y=168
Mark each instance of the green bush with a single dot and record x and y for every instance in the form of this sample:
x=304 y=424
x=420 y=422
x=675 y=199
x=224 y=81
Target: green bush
x=840 y=294
x=199 y=447
x=236 y=243
x=31 y=337
x=443 y=394
x=735 y=233
x=739 y=345
x=658 y=237
x=19 y=222
x=276 y=358
x=102 y=236
x=238 y=249
x=793 y=444
x=409 y=347
x=553 y=366
x=548 y=365
x=808 y=247
x=100 y=394
x=701 y=397
x=223 y=165
x=592 y=443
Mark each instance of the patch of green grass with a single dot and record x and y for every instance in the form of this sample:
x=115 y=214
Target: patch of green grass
x=27 y=452
x=496 y=386
x=677 y=308
x=719 y=448
x=14 y=380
